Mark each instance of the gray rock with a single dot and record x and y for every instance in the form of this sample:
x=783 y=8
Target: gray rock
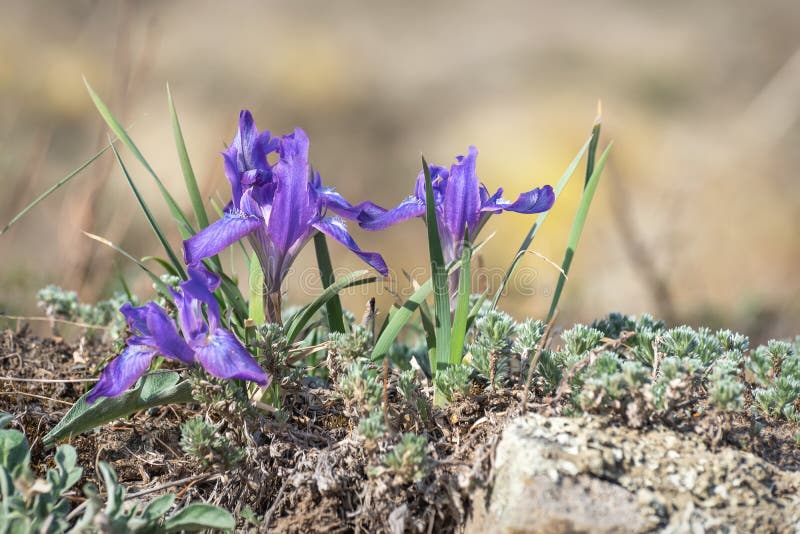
x=555 y=474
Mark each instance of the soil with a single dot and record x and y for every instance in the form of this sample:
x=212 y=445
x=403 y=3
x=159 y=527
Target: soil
x=310 y=472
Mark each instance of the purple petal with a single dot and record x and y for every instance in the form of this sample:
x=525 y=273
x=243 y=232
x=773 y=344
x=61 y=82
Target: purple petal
x=165 y=335
x=122 y=372
x=198 y=289
x=335 y=202
x=219 y=235
x=292 y=209
x=439 y=178
x=534 y=201
x=336 y=229
x=224 y=356
x=136 y=317
x=372 y=219
x=462 y=201
x=494 y=203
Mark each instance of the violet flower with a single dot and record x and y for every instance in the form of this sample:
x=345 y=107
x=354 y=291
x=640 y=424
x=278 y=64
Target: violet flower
x=462 y=204
x=203 y=341
x=278 y=207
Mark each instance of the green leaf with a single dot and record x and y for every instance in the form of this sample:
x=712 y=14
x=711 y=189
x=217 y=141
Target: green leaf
x=158 y=506
x=52 y=189
x=151 y=390
x=14 y=452
x=183 y=223
x=462 y=304
x=198 y=516
x=562 y=183
x=163 y=263
x=149 y=215
x=70 y=473
x=398 y=320
x=256 y=308
x=441 y=294
x=577 y=228
x=186 y=167
x=233 y=297
x=334 y=304
x=301 y=318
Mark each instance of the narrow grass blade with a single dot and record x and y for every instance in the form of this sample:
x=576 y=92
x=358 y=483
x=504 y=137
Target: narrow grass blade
x=299 y=321
x=163 y=263
x=256 y=284
x=439 y=276
x=149 y=215
x=473 y=313
x=119 y=131
x=577 y=228
x=462 y=304
x=560 y=185
x=399 y=319
x=233 y=297
x=186 y=167
x=334 y=304
x=593 y=147
x=52 y=189
x=156 y=280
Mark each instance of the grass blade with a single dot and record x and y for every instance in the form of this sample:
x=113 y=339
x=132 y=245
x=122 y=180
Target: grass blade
x=186 y=167
x=149 y=215
x=299 y=321
x=183 y=223
x=439 y=276
x=462 y=304
x=156 y=280
x=52 y=189
x=562 y=183
x=334 y=304
x=399 y=319
x=577 y=228
x=256 y=284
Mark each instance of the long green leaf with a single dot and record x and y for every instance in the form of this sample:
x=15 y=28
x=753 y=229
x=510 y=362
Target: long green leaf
x=183 y=223
x=301 y=318
x=462 y=304
x=233 y=297
x=156 y=280
x=256 y=284
x=200 y=516
x=399 y=319
x=52 y=189
x=186 y=166
x=441 y=293
x=577 y=228
x=151 y=390
x=560 y=185
x=334 y=304
x=149 y=215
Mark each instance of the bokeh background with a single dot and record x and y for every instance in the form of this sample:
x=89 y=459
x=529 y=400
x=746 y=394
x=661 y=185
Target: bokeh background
x=696 y=219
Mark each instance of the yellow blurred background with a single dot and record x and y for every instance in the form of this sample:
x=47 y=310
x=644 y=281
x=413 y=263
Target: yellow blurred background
x=696 y=218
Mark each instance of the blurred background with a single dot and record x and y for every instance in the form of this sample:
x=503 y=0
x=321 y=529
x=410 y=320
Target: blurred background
x=696 y=218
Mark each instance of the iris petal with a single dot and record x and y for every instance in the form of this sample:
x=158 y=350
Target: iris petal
x=122 y=372
x=225 y=357
x=218 y=236
x=533 y=201
x=336 y=229
x=372 y=219
x=462 y=201
x=166 y=336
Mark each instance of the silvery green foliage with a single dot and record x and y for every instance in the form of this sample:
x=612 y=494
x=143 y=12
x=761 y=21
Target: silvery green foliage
x=724 y=387
x=409 y=388
x=526 y=344
x=202 y=441
x=38 y=505
x=359 y=386
x=453 y=381
x=60 y=304
x=350 y=346
x=270 y=348
x=372 y=427
x=581 y=338
x=492 y=349
x=776 y=367
x=408 y=460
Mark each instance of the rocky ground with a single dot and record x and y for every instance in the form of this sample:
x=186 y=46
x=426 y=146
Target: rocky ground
x=490 y=467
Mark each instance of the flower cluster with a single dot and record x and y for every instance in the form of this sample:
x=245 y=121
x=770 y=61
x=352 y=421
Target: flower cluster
x=279 y=207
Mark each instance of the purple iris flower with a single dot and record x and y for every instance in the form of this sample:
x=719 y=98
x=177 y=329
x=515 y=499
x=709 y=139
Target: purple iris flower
x=462 y=203
x=278 y=207
x=203 y=340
